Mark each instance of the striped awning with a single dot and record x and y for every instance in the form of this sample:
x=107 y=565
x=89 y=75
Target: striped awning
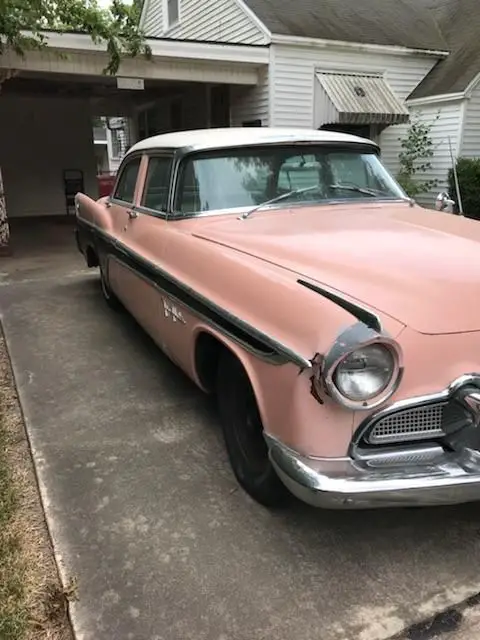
x=353 y=98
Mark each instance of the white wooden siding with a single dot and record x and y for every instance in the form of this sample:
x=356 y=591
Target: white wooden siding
x=214 y=20
x=445 y=127
x=251 y=103
x=41 y=137
x=471 y=126
x=152 y=23
x=293 y=84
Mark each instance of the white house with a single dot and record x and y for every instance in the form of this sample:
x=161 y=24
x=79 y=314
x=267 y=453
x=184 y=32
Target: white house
x=356 y=65
x=111 y=139
x=352 y=65
x=49 y=97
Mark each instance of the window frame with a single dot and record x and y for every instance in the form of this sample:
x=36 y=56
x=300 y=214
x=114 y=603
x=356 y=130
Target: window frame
x=177 y=178
x=123 y=167
x=167 y=25
x=180 y=173
x=167 y=154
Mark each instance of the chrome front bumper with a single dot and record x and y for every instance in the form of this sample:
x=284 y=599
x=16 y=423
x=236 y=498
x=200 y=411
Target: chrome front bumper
x=421 y=476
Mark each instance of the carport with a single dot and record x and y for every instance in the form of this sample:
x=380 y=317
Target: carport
x=48 y=100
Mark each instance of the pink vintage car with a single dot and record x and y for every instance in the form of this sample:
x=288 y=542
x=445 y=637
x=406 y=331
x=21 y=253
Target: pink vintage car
x=337 y=322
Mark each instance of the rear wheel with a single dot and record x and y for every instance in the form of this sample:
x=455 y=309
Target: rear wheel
x=108 y=295
x=243 y=433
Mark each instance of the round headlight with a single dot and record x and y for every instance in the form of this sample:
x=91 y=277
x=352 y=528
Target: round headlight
x=365 y=373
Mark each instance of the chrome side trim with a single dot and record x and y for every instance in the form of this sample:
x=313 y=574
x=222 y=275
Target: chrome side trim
x=273 y=359
x=150 y=272
x=360 y=312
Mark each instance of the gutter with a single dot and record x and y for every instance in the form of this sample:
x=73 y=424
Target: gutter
x=257 y=55
x=435 y=99
x=319 y=43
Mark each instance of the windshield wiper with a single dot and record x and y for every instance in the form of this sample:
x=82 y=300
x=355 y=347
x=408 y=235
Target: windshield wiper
x=371 y=192
x=357 y=189
x=284 y=196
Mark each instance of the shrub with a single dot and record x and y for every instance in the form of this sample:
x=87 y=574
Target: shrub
x=416 y=151
x=468 y=170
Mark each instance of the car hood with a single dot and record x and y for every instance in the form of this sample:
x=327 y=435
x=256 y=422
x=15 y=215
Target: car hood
x=418 y=266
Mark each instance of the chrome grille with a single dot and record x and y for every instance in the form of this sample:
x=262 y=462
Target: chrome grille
x=416 y=423
x=416 y=454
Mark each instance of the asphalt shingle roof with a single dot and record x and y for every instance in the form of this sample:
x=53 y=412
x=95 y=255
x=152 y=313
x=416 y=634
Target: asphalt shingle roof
x=441 y=25
x=384 y=22
x=459 y=22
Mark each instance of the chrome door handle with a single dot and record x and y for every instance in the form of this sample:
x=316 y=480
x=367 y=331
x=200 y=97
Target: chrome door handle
x=132 y=213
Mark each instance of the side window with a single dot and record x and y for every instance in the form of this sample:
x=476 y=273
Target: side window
x=189 y=197
x=155 y=193
x=125 y=189
x=298 y=172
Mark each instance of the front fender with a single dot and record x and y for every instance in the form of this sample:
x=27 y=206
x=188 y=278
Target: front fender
x=288 y=409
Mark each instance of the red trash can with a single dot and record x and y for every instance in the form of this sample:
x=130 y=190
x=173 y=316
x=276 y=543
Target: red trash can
x=106 y=182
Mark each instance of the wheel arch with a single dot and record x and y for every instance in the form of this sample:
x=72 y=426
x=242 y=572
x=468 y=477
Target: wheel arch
x=209 y=346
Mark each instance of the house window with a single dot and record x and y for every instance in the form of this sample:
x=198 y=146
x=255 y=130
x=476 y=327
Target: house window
x=173 y=11
x=116 y=143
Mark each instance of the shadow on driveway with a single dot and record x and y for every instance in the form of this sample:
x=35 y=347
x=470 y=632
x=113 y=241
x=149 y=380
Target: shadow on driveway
x=144 y=511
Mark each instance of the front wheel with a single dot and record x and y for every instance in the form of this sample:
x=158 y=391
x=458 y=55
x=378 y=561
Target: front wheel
x=243 y=433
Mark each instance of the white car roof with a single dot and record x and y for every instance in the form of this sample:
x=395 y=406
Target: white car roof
x=204 y=139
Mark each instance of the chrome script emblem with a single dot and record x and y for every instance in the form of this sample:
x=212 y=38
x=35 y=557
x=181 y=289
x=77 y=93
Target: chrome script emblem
x=172 y=312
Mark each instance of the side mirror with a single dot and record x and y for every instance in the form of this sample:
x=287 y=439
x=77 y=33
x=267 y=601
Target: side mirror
x=444 y=203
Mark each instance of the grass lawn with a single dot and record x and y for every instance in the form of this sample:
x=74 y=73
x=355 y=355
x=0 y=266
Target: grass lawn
x=13 y=610
x=33 y=605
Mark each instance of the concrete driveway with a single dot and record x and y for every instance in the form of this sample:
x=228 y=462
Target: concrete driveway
x=145 y=513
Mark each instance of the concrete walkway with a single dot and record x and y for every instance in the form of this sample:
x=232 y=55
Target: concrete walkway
x=144 y=511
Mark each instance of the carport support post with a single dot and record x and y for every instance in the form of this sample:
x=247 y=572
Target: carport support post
x=4 y=228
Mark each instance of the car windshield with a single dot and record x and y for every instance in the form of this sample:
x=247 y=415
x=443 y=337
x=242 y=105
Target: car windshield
x=241 y=178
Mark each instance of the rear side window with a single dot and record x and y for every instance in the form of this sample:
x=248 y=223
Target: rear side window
x=125 y=189
x=155 y=193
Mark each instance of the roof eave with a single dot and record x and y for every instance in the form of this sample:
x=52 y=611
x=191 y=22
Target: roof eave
x=434 y=99
x=319 y=43
x=257 y=55
x=445 y=97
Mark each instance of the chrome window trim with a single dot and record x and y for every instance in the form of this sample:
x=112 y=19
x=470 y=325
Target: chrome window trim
x=162 y=215
x=121 y=203
x=125 y=162
x=275 y=207
x=162 y=153
x=181 y=153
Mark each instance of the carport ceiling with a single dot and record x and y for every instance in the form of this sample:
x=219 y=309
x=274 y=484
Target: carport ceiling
x=63 y=85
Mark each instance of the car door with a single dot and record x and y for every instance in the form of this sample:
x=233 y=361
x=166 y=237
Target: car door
x=120 y=206
x=122 y=201
x=144 y=238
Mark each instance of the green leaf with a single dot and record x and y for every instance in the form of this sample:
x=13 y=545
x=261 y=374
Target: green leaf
x=416 y=150
x=117 y=26
x=468 y=171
